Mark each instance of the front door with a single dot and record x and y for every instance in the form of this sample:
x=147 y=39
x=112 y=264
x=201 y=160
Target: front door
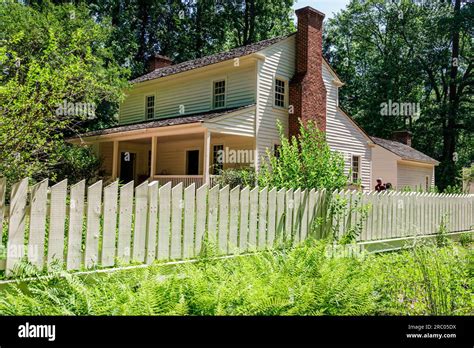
x=192 y=162
x=127 y=166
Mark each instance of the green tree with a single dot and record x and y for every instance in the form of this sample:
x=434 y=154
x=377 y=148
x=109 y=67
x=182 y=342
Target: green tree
x=305 y=161
x=188 y=29
x=52 y=57
x=407 y=52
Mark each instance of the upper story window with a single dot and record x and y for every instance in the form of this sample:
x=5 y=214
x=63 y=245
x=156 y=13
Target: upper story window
x=355 y=168
x=219 y=94
x=150 y=107
x=280 y=90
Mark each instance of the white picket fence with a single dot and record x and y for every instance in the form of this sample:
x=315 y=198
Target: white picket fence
x=98 y=227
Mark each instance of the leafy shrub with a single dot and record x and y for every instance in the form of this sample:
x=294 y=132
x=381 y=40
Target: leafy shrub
x=77 y=163
x=465 y=239
x=237 y=177
x=305 y=161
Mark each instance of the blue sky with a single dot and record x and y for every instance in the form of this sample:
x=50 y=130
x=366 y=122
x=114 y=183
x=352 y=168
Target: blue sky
x=328 y=7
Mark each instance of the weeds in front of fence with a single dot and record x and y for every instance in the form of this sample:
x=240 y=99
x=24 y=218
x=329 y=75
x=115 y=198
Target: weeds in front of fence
x=305 y=280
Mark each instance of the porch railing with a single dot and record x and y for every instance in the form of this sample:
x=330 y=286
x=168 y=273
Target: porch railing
x=176 y=179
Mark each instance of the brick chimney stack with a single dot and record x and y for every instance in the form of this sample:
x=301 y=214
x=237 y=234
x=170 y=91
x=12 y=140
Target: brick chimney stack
x=403 y=137
x=307 y=90
x=158 y=61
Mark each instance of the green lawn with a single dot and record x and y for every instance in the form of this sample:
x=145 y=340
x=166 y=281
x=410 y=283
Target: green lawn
x=306 y=280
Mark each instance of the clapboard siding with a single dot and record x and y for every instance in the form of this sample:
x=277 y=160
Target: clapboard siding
x=279 y=61
x=384 y=165
x=413 y=176
x=343 y=136
x=192 y=95
x=242 y=123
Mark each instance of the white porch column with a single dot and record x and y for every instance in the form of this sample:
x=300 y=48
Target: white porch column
x=154 y=145
x=115 y=160
x=207 y=156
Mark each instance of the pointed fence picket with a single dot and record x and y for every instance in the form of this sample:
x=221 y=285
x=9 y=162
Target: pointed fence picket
x=148 y=222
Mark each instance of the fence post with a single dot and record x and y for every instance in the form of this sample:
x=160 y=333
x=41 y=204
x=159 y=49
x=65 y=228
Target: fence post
x=125 y=222
x=244 y=218
x=189 y=209
x=295 y=231
x=262 y=217
x=280 y=217
x=56 y=222
x=289 y=202
x=201 y=211
x=110 y=224
x=94 y=209
x=212 y=214
x=223 y=219
x=16 y=225
x=164 y=193
x=36 y=242
x=76 y=220
x=253 y=218
x=272 y=205
x=177 y=206
x=234 y=218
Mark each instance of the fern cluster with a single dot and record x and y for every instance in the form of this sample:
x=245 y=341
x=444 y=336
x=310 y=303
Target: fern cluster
x=306 y=280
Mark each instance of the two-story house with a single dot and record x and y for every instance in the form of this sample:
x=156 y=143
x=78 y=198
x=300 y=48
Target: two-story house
x=178 y=119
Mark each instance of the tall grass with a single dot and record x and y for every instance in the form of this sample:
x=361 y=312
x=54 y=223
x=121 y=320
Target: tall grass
x=306 y=280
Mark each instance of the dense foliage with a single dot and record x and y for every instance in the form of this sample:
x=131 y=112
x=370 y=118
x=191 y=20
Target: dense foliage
x=187 y=29
x=308 y=280
x=57 y=72
x=305 y=161
x=410 y=52
x=237 y=177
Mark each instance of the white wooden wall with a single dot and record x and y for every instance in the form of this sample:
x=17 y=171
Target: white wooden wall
x=97 y=226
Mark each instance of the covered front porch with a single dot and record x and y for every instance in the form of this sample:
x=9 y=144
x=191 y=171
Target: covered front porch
x=187 y=158
x=188 y=149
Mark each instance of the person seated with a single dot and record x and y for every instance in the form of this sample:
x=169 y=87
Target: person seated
x=379 y=187
x=388 y=186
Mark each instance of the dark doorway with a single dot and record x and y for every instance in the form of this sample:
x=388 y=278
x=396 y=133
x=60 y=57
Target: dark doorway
x=192 y=162
x=127 y=166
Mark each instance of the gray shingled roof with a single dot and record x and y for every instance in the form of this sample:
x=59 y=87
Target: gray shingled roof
x=208 y=60
x=163 y=122
x=404 y=151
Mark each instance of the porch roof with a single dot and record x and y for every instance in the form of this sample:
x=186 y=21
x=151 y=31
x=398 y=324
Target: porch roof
x=164 y=122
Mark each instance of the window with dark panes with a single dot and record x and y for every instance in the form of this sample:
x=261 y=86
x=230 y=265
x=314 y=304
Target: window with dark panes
x=279 y=93
x=150 y=107
x=219 y=94
x=355 y=169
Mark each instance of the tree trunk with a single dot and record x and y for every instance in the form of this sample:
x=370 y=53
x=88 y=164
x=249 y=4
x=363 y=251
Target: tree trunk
x=448 y=165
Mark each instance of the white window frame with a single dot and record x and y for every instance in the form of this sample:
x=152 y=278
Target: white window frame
x=285 y=94
x=146 y=105
x=359 y=168
x=223 y=78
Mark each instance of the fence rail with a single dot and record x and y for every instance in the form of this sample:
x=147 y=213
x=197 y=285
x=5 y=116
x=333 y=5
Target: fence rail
x=94 y=226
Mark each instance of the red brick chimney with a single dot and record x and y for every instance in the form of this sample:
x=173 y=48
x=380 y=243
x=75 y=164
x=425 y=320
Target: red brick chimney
x=307 y=90
x=158 y=61
x=403 y=137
